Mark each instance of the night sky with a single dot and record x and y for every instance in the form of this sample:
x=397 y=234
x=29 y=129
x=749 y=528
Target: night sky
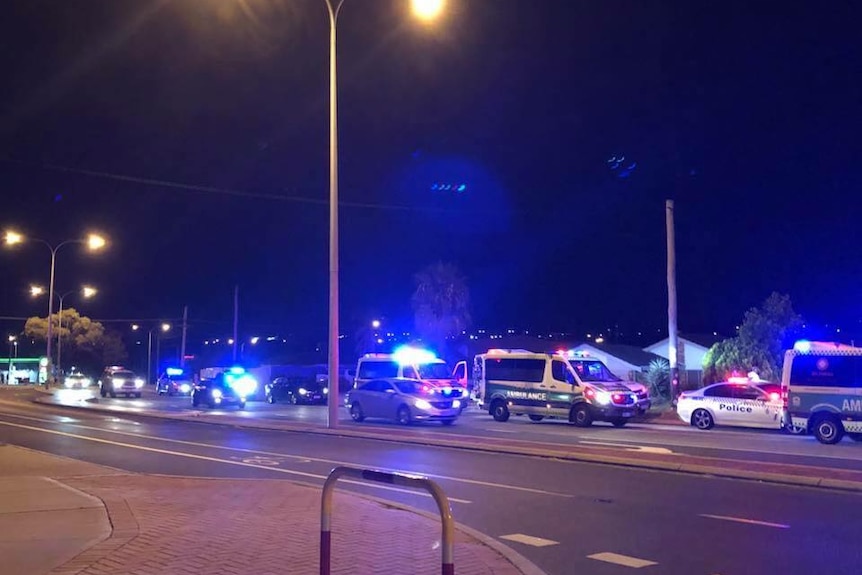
x=194 y=134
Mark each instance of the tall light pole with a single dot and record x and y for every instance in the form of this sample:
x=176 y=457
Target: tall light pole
x=94 y=242
x=13 y=341
x=164 y=327
x=425 y=10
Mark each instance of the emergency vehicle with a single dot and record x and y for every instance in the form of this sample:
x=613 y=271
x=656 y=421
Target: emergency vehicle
x=591 y=369
x=540 y=385
x=407 y=363
x=823 y=389
x=736 y=402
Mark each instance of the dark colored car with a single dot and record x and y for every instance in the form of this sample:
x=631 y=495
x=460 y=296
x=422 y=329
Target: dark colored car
x=175 y=382
x=296 y=390
x=216 y=392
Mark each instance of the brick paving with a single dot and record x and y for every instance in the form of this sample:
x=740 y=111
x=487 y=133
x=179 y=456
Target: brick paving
x=184 y=526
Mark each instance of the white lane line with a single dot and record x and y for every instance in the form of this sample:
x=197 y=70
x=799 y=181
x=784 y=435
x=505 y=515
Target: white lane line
x=627 y=447
x=300 y=458
x=529 y=540
x=501 y=430
x=746 y=521
x=217 y=460
x=623 y=560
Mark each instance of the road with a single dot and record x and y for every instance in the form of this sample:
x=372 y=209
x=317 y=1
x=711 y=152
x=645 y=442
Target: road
x=566 y=517
x=728 y=443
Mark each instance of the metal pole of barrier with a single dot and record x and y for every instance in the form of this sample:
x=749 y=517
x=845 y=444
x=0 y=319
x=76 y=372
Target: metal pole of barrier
x=412 y=481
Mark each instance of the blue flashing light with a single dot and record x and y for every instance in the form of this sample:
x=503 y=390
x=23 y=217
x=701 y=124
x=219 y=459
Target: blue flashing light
x=462 y=187
x=236 y=370
x=174 y=371
x=802 y=346
x=406 y=355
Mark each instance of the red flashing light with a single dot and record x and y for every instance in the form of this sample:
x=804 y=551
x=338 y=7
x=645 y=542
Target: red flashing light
x=774 y=396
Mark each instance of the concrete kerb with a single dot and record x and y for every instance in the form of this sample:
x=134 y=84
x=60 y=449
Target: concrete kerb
x=693 y=469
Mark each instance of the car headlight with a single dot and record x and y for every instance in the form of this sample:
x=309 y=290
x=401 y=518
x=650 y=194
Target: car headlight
x=422 y=404
x=302 y=391
x=139 y=382
x=603 y=397
x=87 y=381
x=185 y=388
x=118 y=381
x=245 y=385
x=69 y=383
x=456 y=404
x=216 y=393
x=325 y=390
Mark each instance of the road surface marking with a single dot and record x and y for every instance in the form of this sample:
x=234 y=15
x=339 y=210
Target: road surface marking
x=747 y=521
x=217 y=460
x=623 y=560
x=638 y=448
x=501 y=430
x=300 y=458
x=529 y=540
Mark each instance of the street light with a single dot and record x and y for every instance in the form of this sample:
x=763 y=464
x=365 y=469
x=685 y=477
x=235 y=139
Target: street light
x=425 y=10
x=86 y=292
x=164 y=327
x=13 y=341
x=94 y=242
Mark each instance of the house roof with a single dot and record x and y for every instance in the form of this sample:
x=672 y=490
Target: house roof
x=630 y=354
x=705 y=341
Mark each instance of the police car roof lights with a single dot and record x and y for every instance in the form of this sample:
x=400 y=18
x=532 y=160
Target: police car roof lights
x=805 y=346
x=174 y=371
x=406 y=355
x=236 y=370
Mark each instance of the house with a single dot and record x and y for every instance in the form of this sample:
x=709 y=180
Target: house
x=692 y=349
x=626 y=361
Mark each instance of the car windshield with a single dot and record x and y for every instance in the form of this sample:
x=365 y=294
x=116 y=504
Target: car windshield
x=179 y=377
x=123 y=374
x=435 y=371
x=411 y=387
x=592 y=370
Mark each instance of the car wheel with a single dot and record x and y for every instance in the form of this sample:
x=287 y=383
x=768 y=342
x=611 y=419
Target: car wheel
x=581 y=416
x=534 y=417
x=828 y=430
x=403 y=415
x=356 y=412
x=499 y=410
x=448 y=422
x=618 y=421
x=702 y=419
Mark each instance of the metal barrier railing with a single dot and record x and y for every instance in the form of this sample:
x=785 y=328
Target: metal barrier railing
x=412 y=481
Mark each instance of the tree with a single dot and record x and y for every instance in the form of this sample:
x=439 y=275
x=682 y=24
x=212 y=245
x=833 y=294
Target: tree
x=84 y=341
x=657 y=378
x=764 y=334
x=441 y=304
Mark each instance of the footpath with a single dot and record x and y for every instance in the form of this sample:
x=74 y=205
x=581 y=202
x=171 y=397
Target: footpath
x=59 y=516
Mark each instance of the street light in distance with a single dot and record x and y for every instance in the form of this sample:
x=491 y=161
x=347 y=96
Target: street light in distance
x=428 y=10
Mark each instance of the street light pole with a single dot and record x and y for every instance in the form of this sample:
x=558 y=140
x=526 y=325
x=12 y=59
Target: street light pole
x=334 y=338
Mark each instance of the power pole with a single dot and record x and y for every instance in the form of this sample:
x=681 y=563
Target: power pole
x=673 y=337
x=185 y=331
x=235 y=320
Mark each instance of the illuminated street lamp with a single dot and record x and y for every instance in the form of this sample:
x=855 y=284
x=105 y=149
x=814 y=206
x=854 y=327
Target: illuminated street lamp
x=163 y=328
x=94 y=242
x=375 y=324
x=426 y=10
x=86 y=292
x=10 y=375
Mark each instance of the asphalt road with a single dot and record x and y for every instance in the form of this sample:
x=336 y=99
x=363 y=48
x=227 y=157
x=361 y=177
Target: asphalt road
x=728 y=443
x=567 y=517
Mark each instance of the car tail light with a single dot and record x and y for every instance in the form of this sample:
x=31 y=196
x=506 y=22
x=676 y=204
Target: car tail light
x=590 y=393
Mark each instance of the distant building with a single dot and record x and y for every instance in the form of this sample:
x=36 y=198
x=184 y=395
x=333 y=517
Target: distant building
x=693 y=348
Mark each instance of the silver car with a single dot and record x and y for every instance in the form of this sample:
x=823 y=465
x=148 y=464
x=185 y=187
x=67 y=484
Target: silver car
x=404 y=400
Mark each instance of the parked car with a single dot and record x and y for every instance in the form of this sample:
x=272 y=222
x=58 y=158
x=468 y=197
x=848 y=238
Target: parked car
x=404 y=400
x=734 y=404
x=175 y=381
x=217 y=392
x=296 y=390
x=120 y=381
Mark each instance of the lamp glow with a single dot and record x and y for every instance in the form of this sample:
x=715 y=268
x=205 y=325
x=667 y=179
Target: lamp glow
x=96 y=242
x=428 y=10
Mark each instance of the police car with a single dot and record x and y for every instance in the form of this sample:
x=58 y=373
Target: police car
x=735 y=403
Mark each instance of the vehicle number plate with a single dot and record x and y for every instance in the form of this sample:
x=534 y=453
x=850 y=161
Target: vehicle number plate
x=627 y=414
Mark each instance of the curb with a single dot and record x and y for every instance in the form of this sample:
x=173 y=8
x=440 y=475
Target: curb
x=681 y=467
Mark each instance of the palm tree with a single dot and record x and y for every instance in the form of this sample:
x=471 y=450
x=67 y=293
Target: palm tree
x=441 y=304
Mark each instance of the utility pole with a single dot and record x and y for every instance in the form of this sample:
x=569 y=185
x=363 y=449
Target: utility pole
x=235 y=320
x=185 y=331
x=673 y=337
